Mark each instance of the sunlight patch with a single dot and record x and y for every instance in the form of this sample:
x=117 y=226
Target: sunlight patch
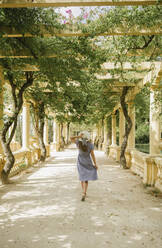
x=156 y=209
x=97 y=221
x=55 y=171
x=67 y=245
x=38 y=211
x=51 y=238
x=14 y=194
x=137 y=237
x=62 y=237
x=99 y=233
x=10 y=240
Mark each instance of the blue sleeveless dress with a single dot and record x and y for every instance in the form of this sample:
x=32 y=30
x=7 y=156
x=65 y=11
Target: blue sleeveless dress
x=86 y=170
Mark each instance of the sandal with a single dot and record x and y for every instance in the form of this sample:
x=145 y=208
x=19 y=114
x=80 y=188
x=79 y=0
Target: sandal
x=83 y=197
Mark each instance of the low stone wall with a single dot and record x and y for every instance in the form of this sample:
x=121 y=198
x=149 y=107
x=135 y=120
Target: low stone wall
x=23 y=159
x=2 y=162
x=113 y=152
x=15 y=146
x=148 y=167
x=137 y=162
x=158 y=182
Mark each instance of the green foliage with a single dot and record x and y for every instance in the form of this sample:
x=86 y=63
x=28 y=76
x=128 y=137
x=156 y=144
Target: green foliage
x=142 y=106
x=142 y=133
x=28 y=20
x=67 y=81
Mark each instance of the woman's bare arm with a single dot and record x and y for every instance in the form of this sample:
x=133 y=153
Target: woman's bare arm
x=94 y=159
x=74 y=138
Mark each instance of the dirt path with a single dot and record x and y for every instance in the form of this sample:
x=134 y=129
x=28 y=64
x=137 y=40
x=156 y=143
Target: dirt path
x=42 y=209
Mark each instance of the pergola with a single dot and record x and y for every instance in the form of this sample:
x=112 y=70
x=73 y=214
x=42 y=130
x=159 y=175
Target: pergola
x=67 y=3
x=149 y=167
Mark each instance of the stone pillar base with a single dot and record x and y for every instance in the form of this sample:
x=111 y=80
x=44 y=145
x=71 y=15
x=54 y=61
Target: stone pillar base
x=104 y=147
x=48 y=150
x=2 y=163
x=118 y=154
x=113 y=152
x=53 y=146
x=58 y=147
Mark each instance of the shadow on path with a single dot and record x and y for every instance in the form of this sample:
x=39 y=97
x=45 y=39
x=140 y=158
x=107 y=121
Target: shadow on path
x=42 y=209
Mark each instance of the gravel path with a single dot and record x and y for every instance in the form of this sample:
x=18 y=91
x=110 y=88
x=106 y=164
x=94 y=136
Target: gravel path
x=42 y=208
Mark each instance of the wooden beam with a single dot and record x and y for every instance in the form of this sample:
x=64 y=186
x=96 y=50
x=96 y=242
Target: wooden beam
x=70 y=3
x=23 y=56
x=72 y=31
x=155 y=75
x=122 y=84
x=130 y=66
x=127 y=66
x=159 y=76
x=106 y=66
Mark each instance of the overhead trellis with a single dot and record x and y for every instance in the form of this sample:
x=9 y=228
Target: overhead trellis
x=67 y=3
x=72 y=67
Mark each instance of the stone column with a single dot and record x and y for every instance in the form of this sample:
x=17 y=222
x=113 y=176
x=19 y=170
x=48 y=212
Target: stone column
x=25 y=126
x=105 y=134
x=68 y=133
x=154 y=125
x=121 y=126
x=100 y=134
x=113 y=130
x=54 y=133
x=65 y=133
x=94 y=134
x=98 y=129
x=46 y=137
x=59 y=136
x=131 y=113
x=46 y=132
x=35 y=137
x=1 y=104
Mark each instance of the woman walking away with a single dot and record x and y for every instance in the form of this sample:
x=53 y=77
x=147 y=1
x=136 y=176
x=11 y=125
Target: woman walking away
x=86 y=162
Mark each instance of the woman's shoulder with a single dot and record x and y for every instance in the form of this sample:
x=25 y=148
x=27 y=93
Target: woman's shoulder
x=91 y=145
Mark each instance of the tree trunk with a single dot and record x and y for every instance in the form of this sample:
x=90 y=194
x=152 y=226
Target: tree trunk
x=40 y=131
x=62 y=137
x=128 y=127
x=12 y=121
x=68 y=131
x=8 y=164
x=41 y=141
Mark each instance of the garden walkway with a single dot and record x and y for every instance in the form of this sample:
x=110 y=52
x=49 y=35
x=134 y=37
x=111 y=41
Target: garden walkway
x=42 y=208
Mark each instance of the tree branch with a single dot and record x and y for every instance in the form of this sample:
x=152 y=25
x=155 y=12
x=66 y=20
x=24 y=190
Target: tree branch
x=147 y=42
x=23 y=43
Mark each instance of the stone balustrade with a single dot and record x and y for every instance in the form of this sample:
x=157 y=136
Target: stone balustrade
x=137 y=162
x=158 y=182
x=113 y=151
x=2 y=162
x=15 y=146
x=23 y=159
x=148 y=167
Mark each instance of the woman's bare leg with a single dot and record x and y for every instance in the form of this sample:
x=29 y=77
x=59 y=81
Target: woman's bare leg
x=82 y=184
x=84 y=187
